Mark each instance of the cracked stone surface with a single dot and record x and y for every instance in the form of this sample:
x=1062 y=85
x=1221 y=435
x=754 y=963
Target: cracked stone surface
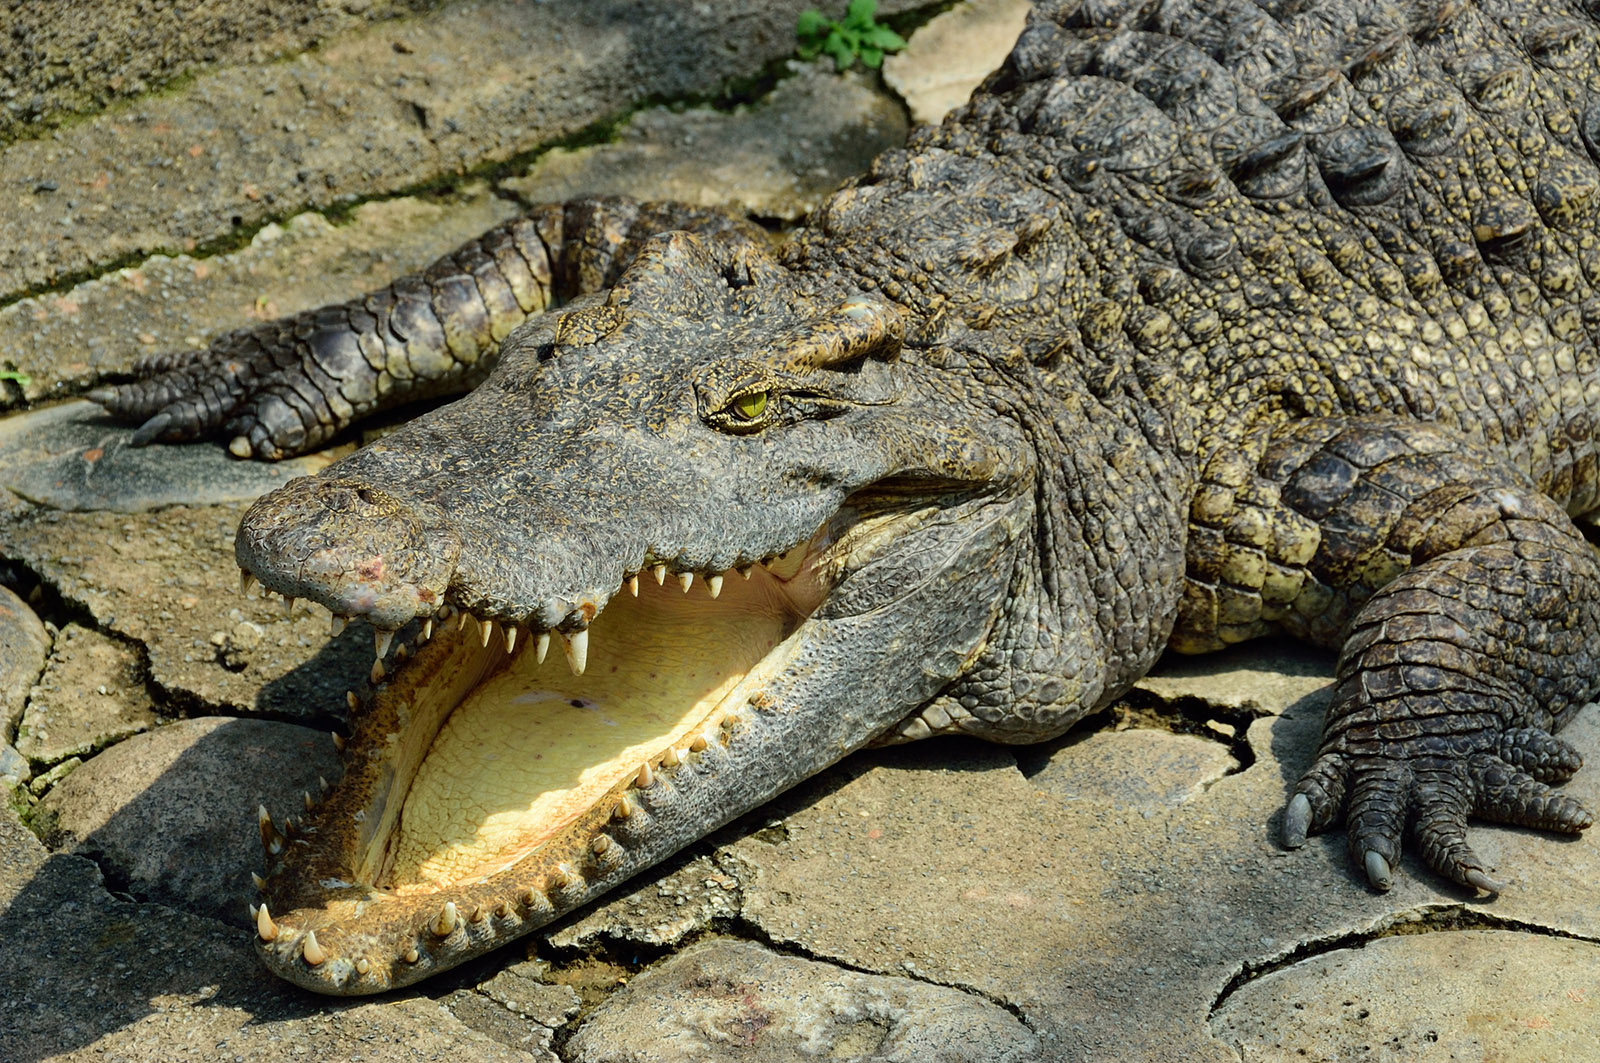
x=953 y=52
x=90 y=695
x=737 y=1000
x=172 y=818
x=24 y=646
x=1114 y=895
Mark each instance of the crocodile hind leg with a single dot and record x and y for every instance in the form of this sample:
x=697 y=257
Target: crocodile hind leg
x=290 y=385
x=1464 y=603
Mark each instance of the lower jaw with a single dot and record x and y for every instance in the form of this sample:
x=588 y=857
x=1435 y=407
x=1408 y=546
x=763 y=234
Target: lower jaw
x=381 y=890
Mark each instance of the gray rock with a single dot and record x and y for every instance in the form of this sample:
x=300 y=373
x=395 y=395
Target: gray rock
x=1137 y=768
x=662 y=909
x=1422 y=997
x=517 y=1009
x=776 y=158
x=24 y=646
x=946 y=59
x=72 y=457
x=85 y=975
x=735 y=1000
x=90 y=695
x=170 y=816
x=471 y=85
x=168 y=580
x=14 y=770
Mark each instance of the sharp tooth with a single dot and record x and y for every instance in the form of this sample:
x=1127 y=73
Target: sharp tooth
x=311 y=950
x=746 y=570
x=288 y=605
x=697 y=744
x=338 y=740
x=271 y=839
x=576 y=646
x=409 y=954
x=714 y=585
x=446 y=922
x=633 y=585
x=502 y=910
x=247 y=582
x=541 y=647
x=260 y=883
x=401 y=652
x=533 y=898
x=363 y=966
x=564 y=877
x=427 y=629
x=511 y=637
x=265 y=927
x=670 y=759
x=660 y=573
x=311 y=806
x=336 y=625
x=646 y=777
x=461 y=620
x=322 y=783
x=686 y=580
x=624 y=809
x=381 y=640
x=351 y=700
x=600 y=844
x=479 y=914
x=485 y=631
x=377 y=672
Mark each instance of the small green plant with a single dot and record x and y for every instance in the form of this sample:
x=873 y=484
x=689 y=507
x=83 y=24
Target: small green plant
x=859 y=36
x=22 y=379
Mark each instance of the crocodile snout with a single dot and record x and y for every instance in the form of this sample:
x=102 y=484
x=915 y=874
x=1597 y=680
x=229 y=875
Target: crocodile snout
x=353 y=547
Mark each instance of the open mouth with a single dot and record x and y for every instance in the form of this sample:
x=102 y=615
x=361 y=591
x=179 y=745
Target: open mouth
x=490 y=786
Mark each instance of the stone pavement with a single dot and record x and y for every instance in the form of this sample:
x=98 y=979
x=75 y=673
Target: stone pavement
x=1113 y=895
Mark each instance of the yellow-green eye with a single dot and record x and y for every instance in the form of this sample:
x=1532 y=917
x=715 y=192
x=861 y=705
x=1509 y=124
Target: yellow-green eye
x=749 y=407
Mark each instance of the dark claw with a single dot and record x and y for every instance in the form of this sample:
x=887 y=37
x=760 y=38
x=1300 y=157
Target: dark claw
x=1483 y=882
x=1378 y=873
x=1297 y=821
x=151 y=430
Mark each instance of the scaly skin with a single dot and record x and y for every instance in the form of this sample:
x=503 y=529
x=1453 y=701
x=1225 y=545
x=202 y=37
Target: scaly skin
x=1195 y=325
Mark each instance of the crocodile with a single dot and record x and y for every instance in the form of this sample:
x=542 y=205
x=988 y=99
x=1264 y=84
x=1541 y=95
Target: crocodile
x=1201 y=321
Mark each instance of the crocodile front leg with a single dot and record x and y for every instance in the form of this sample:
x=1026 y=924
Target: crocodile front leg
x=291 y=385
x=1464 y=601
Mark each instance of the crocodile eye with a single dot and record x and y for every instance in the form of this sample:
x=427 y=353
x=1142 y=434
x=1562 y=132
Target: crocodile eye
x=749 y=407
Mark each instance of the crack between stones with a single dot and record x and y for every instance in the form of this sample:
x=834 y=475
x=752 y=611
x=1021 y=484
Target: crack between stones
x=1424 y=919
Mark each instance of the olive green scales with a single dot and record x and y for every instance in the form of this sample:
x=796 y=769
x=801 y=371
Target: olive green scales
x=1202 y=321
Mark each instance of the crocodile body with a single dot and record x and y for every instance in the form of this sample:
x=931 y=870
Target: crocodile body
x=1200 y=322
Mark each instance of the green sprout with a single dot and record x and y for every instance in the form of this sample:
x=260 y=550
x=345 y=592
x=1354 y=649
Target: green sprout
x=21 y=379
x=859 y=36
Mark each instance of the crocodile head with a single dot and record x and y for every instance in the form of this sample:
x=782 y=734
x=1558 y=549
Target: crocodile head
x=757 y=534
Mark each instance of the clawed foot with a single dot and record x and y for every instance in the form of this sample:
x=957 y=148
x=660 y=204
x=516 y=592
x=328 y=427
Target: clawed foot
x=1433 y=793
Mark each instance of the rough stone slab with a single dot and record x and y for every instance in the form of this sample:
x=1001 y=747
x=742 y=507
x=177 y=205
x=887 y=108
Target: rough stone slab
x=776 y=158
x=62 y=60
x=1114 y=926
x=1421 y=997
x=682 y=897
x=946 y=59
x=14 y=769
x=73 y=457
x=91 y=695
x=170 y=816
x=168 y=580
x=735 y=1000
x=470 y=85
x=67 y=340
x=517 y=1009
x=24 y=646
x=87 y=976
x=1136 y=768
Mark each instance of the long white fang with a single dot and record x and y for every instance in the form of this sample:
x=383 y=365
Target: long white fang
x=686 y=580
x=381 y=641
x=633 y=585
x=427 y=629
x=264 y=924
x=646 y=777
x=511 y=637
x=714 y=585
x=485 y=631
x=377 y=674
x=541 y=647
x=336 y=625
x=446 y=922
x=311 y=950
x=338 y=739
x=576 y=647
x=660 y=573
